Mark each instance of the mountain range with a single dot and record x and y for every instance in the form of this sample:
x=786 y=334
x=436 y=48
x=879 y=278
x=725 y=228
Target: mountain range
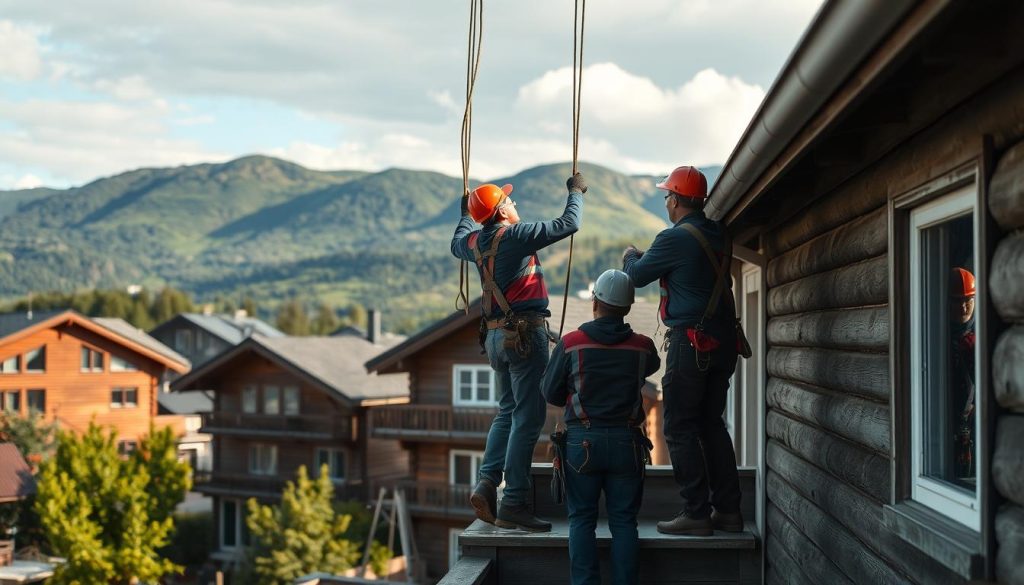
x=273 y=229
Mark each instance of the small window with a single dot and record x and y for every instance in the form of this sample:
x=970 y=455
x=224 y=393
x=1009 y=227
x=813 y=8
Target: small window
x=263 y=459
x=229 y=522
x=943 y=363
x=11 y=365
x=464 y=467
x=124 y=397
x=334 y=459
x=92 y=360
x=35 y=360
x=125 y=448
x=271 y=400
x=11 y=400
x=118 y=364
x=249 y=400
x=473 y=386
x=291 y=400
x=183 y=341
x=36 y=400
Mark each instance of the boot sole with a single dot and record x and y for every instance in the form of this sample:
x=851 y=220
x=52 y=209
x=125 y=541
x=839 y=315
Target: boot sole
x=482 y=508
x=513 y=526
x=688 y=531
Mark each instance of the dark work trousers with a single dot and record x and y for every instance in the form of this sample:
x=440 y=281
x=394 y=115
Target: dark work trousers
x=698 y=443
x=603 y=459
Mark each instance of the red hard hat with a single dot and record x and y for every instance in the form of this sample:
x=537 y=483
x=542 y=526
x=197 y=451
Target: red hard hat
x=961 y=283
x=686 y=182
x=485 y=199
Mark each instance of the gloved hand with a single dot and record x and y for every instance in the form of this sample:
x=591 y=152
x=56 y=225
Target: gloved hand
x=465 y=204
x=576 y=183
x=631 y=250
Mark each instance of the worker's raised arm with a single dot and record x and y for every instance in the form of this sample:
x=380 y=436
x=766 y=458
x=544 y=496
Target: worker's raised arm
x=644 y=268
x=537 y=235
x=460 y=241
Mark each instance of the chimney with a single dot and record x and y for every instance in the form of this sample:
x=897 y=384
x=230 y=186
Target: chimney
x=241 y=314
x=372 y=325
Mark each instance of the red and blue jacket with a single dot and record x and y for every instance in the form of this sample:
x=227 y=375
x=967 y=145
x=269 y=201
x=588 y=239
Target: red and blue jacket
x=517 y=270
x=687 y=277
x=597 y=373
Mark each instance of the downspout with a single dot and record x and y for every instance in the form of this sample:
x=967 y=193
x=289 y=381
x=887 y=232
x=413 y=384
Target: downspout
x=842 y=34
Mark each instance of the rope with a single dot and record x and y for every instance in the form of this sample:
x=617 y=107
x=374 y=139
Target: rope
x=579 y=19
x=475 y=43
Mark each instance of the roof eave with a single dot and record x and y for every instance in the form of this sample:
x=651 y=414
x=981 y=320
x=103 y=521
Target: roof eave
x=390 y=361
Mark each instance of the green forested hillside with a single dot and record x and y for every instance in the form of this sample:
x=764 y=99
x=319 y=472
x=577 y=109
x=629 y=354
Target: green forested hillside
x=274 y=230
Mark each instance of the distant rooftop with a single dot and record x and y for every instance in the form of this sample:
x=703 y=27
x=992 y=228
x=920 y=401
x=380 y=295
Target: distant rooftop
x=16 y=481
x=230 y=328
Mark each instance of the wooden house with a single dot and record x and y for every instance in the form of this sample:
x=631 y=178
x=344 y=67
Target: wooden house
x=201 y=336
x=285 y=402
x=74 y=369
x=452 y=403
x=883 y=177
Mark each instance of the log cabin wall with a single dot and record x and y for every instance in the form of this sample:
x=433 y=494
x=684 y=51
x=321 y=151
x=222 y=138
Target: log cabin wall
x=828 y=423
x=1006 y=204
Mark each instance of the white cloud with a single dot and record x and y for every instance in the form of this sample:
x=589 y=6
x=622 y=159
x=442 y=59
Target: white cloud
x=19 y=52
x=131 y=88
x=29 y=181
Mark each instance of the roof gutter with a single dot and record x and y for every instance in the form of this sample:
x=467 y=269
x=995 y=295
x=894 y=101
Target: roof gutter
x=840 y=37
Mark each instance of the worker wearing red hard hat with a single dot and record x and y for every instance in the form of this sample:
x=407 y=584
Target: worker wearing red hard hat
x=691 y=261
x=962 y=293
x=514 y=334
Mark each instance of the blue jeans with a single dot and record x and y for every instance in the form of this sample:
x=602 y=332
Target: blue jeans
x=521 y=411
x=603 y=458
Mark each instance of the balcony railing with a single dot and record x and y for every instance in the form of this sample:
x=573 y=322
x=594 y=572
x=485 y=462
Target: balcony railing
x=243 y=485
x=436 y=497
x=301 y=425
x=440 y=421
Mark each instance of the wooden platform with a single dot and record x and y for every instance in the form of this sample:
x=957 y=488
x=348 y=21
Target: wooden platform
x=481 y=533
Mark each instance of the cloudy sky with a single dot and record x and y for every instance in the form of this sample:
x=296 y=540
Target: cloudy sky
x=89 y=89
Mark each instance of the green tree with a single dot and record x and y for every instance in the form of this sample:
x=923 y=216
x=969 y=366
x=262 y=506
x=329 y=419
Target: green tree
x=325 y=322
x=106 y=514
x=249 y=306
x=300 y=536
x=30 y=434
x=357 y=315
x=169 y=302
x=292 y=318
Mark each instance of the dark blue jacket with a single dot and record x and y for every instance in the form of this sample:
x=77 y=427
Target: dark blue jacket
x=597 y=372
x=517 y=269
x=686 y=277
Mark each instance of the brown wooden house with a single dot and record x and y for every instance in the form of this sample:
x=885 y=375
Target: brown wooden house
x=452 y=403
x=285 y=402
x=74 y=369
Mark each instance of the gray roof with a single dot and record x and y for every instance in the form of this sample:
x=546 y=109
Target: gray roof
x=230 y=329
x=184 y=402
x=11 y=323
x=16 y=479
x=136 y=335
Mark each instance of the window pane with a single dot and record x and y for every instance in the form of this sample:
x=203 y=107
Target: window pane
x=466 y=393
x=35 y=360
x=483 y=388
x=86 y=361
x=97 y=361
x=131 y=396
x=271 y=468
x=36 y=400
x=121 y=365
x=228 y=522
x=11 y=365
x=183 y=340
x=291 y=400
x=948 y=352
x=463 y=469
x=115 y=398
x=271 y=400
x=12 y=401
x=249 y=399
x=338 y=465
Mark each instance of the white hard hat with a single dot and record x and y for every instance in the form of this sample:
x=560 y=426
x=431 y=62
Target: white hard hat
x=615 y=288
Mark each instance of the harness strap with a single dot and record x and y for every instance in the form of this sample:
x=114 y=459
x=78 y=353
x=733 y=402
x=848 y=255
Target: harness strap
x=721 y=270
x=638 y=406
x=489 y=286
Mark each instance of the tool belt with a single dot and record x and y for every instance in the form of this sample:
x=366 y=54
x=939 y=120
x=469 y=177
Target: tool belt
x=516 y=331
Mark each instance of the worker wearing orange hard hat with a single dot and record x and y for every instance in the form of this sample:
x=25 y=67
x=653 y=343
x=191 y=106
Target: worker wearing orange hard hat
x=691 y=261
x=962 y=294
x=514 y=335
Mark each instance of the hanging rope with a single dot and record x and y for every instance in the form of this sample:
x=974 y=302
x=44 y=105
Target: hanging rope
x=476 y=36
x=579 y=19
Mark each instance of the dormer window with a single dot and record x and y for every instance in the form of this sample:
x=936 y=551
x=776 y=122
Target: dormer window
x=118 y=364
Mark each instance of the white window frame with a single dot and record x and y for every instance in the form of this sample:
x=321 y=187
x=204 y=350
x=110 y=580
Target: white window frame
x=91 y=352
x=17 y=365
x=949 y=501
x=296 y=394
x=238 y=524
x=454 y=551
x=250 y=390
x=269 y=391
x=331 y=451
x=476 y=460
x=475 y=369
x=255 y=455
x=124 y=403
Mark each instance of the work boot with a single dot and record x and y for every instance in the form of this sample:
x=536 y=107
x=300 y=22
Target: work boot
x=687 y=525
x=726 y=521
x=484 y=500
x=520 y=517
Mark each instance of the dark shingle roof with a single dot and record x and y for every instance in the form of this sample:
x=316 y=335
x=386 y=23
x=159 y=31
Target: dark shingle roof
x=231 y=329
x=184 y=402
x=11 y=323
x=132 y=333
x=16 y=481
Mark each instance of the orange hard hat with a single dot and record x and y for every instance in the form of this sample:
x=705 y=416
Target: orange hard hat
x=686 y=182
x=961 y=283
x=485 y=200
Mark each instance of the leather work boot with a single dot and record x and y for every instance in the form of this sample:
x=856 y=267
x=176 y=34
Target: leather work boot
x=520 y=517
x=686 y=525
x=727 y=522
x=484 y=500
